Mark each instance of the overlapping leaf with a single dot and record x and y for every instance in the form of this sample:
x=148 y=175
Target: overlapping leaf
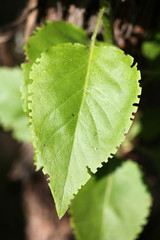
x=81 y=104
x=113 y=205
x=12 y=116
x=50 y=34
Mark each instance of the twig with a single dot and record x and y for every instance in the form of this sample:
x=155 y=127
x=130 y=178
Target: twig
x=31 y=20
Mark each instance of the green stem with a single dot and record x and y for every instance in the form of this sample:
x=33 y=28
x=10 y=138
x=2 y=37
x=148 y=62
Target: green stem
x=100 y=15
x=107 y=21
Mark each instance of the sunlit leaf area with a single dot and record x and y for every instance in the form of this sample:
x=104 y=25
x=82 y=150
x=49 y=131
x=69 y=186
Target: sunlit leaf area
x=79 y=120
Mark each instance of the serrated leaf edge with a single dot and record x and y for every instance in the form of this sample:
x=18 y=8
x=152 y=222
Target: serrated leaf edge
x=41 y=28
x=27 y=46
x=35 y=139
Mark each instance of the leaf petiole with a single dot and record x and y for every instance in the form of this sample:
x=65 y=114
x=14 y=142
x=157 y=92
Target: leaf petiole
x=99 y=19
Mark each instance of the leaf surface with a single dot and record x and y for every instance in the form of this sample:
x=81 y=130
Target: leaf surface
x=81 y=105
x=113 y=205
x=12 y=116
x=52 y=33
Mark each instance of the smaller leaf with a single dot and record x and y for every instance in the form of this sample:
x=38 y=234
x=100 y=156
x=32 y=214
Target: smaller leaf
x=12 y=116
x=151 y=46
x=112 y=206
x=51 y=34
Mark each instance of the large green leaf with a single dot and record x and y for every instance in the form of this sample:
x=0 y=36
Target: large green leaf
x=81 y=105
x=12 y=116
x=111 y=206
x=52 y=33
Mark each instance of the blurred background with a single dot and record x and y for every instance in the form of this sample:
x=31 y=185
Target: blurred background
x=26 y=205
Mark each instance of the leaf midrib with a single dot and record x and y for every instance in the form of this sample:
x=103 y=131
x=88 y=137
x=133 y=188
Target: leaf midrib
x=106 y=200
x=80 y=109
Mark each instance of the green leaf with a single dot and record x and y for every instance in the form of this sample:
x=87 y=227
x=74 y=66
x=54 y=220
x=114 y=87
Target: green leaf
x=81 y=105
x=151 y=46
x=111 y=206
x=52 y=33
x=12 y=116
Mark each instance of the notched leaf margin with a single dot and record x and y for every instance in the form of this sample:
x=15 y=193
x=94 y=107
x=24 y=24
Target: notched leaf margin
x=35 y=139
